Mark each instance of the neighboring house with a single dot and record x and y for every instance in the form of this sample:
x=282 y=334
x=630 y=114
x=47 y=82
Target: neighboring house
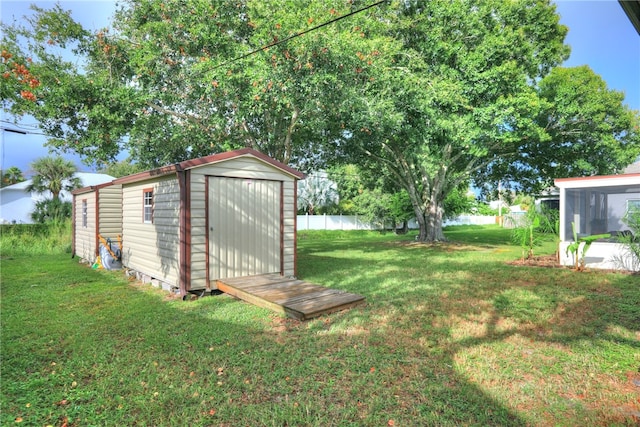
x=597 y=205
x=188 y=224
x=17 y=204
x=633 y=168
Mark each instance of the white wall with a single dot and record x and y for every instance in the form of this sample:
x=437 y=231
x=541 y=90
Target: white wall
x=602 y=255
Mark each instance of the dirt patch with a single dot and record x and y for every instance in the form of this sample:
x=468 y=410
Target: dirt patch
x=444 y=246
x=550 y=261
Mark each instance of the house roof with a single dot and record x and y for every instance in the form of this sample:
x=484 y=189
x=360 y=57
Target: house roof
x=632 y=9
x=633 y=168
x=599 y=181
x=214 y=158
x=86 y=179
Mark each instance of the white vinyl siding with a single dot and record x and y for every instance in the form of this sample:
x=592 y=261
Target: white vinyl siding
x=152 y=248
x=289 y=227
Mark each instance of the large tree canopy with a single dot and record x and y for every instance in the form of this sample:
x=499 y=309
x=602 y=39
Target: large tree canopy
x=430 y=93
x=458 y=95
x=166 y=83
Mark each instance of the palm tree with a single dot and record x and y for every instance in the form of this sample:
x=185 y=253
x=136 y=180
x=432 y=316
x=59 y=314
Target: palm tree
x=53 y=174
x=11 y=176
x=317 y=191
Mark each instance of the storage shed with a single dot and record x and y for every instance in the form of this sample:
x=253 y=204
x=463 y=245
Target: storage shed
x=97 y=211
x=226 y=215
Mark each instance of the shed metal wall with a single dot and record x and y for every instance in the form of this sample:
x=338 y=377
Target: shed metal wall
x=244 y=227
x=241 y=167
x=110 y=217
x=85 y=236
x=152 y=248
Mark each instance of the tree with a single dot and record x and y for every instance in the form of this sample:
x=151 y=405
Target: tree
x=83 y=106
x=584 y=129
x=457 y=95
x=165 y=85
x=11 y=176
x=121 y=168
x=349 y=185
x=432 y=94
x=51 y=210
x=316 y=191
x=53 y=174
x=458 y=201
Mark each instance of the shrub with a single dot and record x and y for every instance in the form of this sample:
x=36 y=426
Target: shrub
x=631 y=241
x=51 y=210
x=31 y=239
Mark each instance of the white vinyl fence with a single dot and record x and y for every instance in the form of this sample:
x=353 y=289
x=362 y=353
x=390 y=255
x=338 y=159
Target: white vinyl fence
x=353 y=222
x=334 y=222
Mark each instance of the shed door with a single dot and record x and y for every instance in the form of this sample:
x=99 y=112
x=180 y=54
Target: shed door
x=244 y=227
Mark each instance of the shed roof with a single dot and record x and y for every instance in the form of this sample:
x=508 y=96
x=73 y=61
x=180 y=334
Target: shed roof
x=90 y=188
x=214 y=158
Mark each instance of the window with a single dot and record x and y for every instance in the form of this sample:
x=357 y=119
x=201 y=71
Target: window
x=84 y=213
x=147 y=203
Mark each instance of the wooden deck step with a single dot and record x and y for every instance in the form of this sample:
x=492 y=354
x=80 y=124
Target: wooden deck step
x=295 y=298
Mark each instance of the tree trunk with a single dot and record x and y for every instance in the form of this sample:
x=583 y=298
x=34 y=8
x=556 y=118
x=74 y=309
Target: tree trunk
x=403 y=230
x=429 y=216
x=433 y=218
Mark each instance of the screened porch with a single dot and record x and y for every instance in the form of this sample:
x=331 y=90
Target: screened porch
x=598 y=205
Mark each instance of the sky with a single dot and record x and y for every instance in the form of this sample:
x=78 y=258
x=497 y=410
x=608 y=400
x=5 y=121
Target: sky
x=600 y=35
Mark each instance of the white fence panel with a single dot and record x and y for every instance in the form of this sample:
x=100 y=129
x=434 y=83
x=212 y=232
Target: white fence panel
x=471 y=220
x=353 y=222
x=333 y=222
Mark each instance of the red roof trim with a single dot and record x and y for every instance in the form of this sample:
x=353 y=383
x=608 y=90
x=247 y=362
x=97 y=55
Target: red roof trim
x=141 y=176
x=214 y=158
x=90 y=188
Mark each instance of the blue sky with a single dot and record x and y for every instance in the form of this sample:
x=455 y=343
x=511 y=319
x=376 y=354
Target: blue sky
x=600 y=35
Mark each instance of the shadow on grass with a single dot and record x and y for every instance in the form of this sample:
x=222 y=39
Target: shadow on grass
x=85 y=347
x=480 y=315
x=447 y=338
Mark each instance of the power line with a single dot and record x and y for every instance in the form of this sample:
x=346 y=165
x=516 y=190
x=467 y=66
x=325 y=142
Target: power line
x=22 y=132
x=275 y=43
x=21 y=125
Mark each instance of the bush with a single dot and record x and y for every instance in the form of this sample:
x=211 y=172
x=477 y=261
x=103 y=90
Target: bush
x=631 y=241
x=51 y=210
x=31 y=239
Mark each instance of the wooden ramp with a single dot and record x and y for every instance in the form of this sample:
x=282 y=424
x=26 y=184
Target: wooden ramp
x=295 y=298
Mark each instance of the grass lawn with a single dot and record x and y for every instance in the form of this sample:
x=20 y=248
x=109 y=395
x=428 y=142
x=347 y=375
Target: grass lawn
x=451 y=335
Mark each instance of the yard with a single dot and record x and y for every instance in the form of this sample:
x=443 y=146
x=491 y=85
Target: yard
x=452 y=334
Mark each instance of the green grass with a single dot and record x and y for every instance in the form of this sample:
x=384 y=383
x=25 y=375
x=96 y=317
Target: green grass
x=34 y=239
x=451 y=335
